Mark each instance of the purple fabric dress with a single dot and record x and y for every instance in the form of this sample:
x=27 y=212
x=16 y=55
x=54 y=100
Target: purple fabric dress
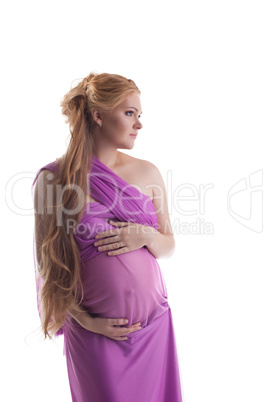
x=144 y=367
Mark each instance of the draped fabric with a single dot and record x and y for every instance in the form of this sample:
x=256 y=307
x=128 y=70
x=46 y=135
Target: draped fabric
x=144 y=367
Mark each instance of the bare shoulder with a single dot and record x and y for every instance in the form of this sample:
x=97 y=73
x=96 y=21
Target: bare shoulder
x=143 y=165
x=141 y=172
x=150 y=181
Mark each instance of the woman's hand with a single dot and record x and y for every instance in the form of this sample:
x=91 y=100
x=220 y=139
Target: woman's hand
x=105 y=326
x=127 y=237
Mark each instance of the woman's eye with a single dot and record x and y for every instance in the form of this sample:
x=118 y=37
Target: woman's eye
x=130 y=111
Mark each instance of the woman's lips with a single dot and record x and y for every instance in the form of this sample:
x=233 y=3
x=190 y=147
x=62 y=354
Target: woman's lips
x=134 y=135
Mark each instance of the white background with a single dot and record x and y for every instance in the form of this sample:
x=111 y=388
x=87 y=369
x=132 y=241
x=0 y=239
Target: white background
x=202 y=69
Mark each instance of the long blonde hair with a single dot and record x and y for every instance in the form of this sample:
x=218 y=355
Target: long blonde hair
x=60 y=263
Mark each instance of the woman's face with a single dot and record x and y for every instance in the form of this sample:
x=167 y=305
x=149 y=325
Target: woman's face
x=118 y=125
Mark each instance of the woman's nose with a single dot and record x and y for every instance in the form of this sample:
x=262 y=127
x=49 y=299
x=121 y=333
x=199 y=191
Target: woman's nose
x=138 y=125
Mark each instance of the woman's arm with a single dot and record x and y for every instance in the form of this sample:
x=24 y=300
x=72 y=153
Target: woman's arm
x=161 y=242
x=82 y=317
x=160 y=245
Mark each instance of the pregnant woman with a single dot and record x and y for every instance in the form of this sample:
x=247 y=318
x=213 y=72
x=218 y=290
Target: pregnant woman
x=101 y=223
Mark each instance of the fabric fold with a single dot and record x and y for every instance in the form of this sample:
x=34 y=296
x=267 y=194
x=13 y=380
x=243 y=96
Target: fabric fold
x=120 y=197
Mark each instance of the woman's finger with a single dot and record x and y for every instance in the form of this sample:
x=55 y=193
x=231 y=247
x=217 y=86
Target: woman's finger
x=107 y=240
x=116 y=338
x=117 y=321
x=126 y=331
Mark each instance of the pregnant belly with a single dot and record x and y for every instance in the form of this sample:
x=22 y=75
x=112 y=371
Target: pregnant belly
x=129 y=286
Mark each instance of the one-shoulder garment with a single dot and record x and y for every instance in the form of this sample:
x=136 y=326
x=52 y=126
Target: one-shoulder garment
x=144 y=367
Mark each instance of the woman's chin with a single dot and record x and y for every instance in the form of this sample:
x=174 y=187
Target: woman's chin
x=126 y=146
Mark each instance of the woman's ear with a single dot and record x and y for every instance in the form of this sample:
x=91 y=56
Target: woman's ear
x=96 y=116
